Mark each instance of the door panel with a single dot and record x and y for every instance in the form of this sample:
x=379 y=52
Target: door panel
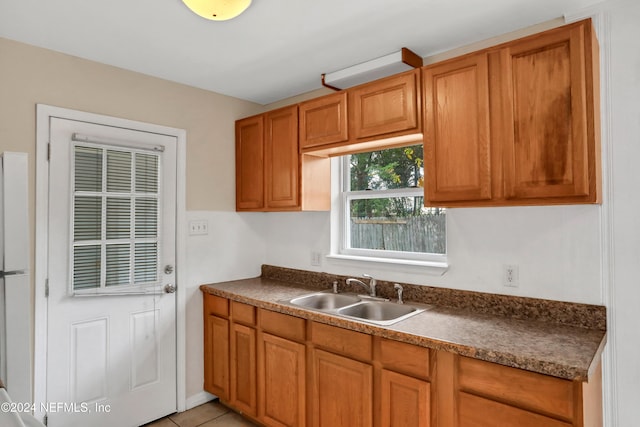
x=144 y=348
x=111 y=328
x=89 y=360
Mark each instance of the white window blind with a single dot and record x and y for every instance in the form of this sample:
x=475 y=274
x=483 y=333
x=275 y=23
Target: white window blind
x=115 y=221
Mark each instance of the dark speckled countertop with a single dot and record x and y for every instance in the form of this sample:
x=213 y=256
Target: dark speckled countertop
x=547 y=347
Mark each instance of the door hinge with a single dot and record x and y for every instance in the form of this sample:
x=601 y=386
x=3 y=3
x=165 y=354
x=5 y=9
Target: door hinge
x=48 y=151
x=46 y=288
x=45 y=420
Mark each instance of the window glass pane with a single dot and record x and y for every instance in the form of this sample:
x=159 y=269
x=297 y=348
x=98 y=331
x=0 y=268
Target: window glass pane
x=397 y=224
x=86 y=267
x=88 y=169
x=133 y=259
x=146 y=218
x=118 y=264
x=87 y=218
x=146 y=173
x=146 y=262
x=118 y=171
x=387 y=169
x=118 y=218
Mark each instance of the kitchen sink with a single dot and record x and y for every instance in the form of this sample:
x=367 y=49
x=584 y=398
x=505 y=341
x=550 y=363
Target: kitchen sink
x=322 y=301
x=358 y=307
x=380 y=312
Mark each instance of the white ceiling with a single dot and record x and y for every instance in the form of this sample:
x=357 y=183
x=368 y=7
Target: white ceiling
x=276 y=49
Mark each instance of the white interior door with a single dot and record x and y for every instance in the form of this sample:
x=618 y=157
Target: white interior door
x=111 y=353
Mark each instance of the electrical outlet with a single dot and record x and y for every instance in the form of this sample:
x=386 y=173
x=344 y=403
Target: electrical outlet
x=198 y=227
x=316 y=258
x=510 y=276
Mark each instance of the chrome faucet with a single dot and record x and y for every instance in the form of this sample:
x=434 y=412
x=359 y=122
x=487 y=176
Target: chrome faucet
x=371 y=287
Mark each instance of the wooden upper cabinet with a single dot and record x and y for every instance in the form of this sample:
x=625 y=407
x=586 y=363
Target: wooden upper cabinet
x=271 y=174
x=282 y=161
x=550 y=101
x=457 y=130
x=323 y=120
x=516 y=124
x=250 y=163
x=386 y=106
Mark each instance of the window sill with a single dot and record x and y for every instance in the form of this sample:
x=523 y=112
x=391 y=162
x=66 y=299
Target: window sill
x=430 y=267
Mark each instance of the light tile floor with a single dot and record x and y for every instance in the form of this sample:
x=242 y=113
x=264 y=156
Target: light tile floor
x=211 y=414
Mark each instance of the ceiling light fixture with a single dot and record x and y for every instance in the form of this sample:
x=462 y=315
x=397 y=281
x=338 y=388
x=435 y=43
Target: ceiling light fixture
x=218 y=10
x=378 y=68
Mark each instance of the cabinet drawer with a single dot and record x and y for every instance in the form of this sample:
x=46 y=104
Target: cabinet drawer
x=216 y=305
x=535 y=392
x=343 y=341
x=406 y=358
x=282 y=325
x=478 y=412
x=243 y=313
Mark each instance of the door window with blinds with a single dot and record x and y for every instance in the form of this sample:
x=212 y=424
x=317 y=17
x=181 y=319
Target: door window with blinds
x=115 y=221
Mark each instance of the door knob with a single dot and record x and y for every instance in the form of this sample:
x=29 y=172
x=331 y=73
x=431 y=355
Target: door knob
x=169 y=289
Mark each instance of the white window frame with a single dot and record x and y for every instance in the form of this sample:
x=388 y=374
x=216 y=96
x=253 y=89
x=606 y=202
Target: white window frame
x=102 y=289
x=396 y=257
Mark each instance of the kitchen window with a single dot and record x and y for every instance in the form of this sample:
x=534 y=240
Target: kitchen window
x=382 y=209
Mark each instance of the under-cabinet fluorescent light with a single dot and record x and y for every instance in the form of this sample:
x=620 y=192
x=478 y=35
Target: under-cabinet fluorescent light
x=394 y=63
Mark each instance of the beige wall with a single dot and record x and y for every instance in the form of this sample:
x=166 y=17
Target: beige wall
x=31 y=75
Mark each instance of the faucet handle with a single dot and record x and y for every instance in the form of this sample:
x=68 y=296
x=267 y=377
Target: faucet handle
x=399 y=288
x=335 y=287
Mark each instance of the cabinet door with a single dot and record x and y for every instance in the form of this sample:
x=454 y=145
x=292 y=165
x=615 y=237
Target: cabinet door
x=243 y=368
x=250 y=163
x=405 y=401
x=323 y=121
x=342 y=391
x=216 y=356
x=282 y=158
x=456 y=125
x=549 y=90
x=385 y=106
x=282 y=382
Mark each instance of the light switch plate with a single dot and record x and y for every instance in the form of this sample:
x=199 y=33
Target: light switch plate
x=198 y=227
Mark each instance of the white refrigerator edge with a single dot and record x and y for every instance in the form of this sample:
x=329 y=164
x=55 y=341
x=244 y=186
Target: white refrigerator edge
x=15 y=284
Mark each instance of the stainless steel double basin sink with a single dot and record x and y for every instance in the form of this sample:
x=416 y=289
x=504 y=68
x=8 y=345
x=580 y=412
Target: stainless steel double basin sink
x=358 y=307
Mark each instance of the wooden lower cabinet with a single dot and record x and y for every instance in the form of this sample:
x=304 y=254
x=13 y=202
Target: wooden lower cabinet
x=216 y=345
x=282 y=379
x=284 y=371
x=474 y=393
x=404 y=401
x=243 y=369
x=342 y=394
